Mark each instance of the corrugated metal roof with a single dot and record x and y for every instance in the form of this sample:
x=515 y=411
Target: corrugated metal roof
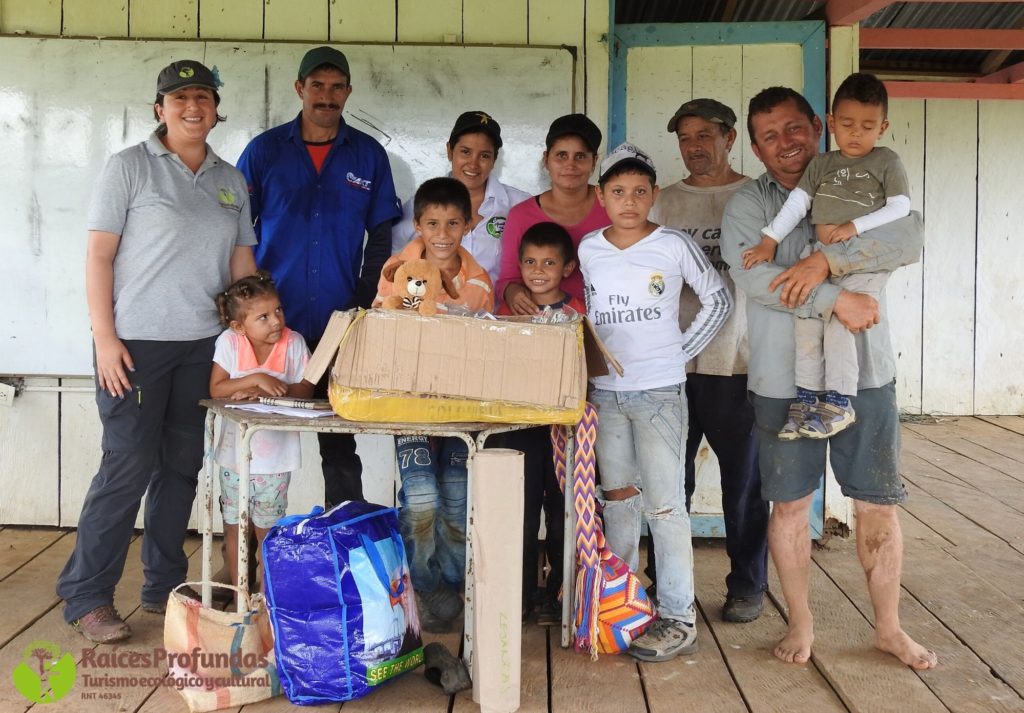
x=785 y=11
x=640 y=11
x=941 y=15
x=973 y=16
x=955 y=15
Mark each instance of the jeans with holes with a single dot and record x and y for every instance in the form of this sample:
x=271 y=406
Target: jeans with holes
x=641 y=440
x=433 y=509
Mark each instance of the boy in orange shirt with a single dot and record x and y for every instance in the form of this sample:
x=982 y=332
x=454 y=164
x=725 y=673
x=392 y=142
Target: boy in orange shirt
x=441 y=216
x=433 y=470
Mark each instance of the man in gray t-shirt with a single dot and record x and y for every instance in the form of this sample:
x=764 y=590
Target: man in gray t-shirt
x=716 y=381
x=784 y=134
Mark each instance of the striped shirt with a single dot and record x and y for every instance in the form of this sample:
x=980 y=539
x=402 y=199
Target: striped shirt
x=633 y=302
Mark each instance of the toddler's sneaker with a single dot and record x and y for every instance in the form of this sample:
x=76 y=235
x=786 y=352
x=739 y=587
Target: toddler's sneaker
x=666 y=639
x=798 y=412
x=826 y=420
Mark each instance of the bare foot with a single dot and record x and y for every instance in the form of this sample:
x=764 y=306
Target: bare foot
x=907 y=650
x=796 y=646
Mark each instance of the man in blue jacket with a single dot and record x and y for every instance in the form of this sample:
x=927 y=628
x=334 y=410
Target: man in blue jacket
x=318 y=187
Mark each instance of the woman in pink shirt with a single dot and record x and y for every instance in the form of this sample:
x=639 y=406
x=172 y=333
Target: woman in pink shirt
x=570 y=159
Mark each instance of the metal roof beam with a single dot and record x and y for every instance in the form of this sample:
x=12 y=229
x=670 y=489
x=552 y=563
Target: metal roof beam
x=933 y=39
x=993 y=61
x=849 y=12
x=954 y=90
x=1014 y=74
x=729 y=13
x=995 y=58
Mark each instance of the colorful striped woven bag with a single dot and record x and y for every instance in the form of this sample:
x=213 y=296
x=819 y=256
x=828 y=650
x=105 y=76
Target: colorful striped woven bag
x=612 y=607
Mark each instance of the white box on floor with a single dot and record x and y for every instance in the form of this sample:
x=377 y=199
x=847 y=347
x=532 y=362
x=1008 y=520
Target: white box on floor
x=497 y=526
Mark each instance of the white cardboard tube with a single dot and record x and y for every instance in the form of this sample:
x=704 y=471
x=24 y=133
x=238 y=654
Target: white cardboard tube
x=497 y=525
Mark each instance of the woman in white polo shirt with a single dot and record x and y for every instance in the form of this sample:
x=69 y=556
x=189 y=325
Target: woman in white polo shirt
x=169 y=228
x=473 y=150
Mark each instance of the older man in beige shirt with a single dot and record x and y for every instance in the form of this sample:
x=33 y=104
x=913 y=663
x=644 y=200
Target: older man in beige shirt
x=716 y=381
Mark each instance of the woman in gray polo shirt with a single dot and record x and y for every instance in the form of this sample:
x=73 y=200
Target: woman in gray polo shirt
x=169 y=228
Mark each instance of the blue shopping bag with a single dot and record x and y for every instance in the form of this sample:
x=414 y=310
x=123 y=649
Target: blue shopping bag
x=341 y=603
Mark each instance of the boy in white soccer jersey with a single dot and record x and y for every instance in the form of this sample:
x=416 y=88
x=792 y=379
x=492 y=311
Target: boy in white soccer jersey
x=634 y=271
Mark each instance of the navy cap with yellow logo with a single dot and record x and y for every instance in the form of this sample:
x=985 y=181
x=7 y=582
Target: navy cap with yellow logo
x=185 y=73
x=476 y=122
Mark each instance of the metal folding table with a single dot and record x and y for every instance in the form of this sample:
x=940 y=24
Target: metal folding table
x=251 y=422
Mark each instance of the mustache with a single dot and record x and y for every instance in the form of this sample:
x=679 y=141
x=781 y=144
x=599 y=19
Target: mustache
x=333 y=107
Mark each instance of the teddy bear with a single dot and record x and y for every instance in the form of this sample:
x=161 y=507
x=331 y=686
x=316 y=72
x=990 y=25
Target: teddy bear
x=417 y=285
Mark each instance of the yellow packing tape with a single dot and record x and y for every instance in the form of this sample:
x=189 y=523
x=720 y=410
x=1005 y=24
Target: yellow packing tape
x=380 y=407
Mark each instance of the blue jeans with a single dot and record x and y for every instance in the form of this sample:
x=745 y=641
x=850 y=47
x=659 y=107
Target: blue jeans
x=641 y=440
x=433 y=509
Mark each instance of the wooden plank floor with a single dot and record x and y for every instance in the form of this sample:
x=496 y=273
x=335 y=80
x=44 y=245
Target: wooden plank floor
x=963 y=596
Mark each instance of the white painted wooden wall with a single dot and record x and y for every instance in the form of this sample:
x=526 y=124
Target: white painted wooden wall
x=50 y=450
x=956 y=317
x=49 y=440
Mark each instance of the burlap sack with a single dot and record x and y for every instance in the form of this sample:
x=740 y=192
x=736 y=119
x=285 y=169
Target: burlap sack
x=219 y=659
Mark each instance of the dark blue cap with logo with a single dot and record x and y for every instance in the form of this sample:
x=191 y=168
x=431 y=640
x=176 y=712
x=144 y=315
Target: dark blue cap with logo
x=185 y=73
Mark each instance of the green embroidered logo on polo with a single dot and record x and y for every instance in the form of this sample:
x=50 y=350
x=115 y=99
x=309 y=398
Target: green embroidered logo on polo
x=45 y=674
x=186 y=72
x=496 y=226
x=225 y=196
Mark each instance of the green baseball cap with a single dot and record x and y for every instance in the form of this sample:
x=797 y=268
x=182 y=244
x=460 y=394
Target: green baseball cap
x=708 y=109
x=319 y=56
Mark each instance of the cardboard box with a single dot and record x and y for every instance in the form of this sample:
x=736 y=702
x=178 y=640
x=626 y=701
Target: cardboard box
x=400 y=367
